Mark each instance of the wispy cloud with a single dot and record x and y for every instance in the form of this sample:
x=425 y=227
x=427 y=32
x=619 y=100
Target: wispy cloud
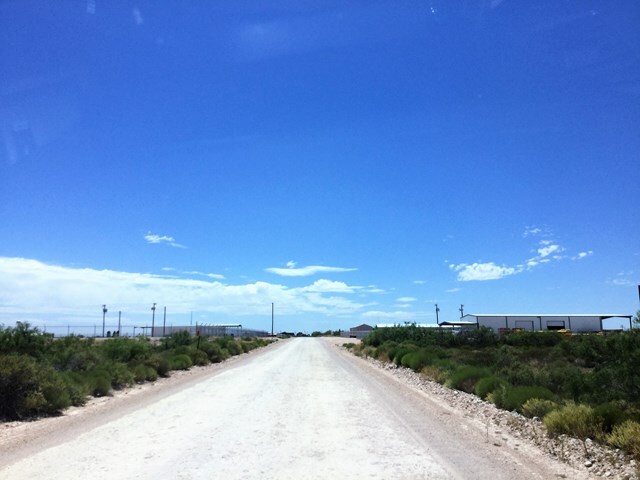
x=531 y=231
x=406 y=299
x=623 y=279
x=453 y=290
x=582 y=255
x=215 y=276
x=293 y=271
x=419 y=282
x=162 y=239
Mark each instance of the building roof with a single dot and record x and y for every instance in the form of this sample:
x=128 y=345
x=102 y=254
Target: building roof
x=573 y=315
x=360 y=328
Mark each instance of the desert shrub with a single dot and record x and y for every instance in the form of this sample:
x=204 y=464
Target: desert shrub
x=626 y=436
x=140 y=373
x=480 y=337
x=99 y=382
x=73 y=353
x=417 y=360
x=54 y=391
x=213 y=351
x=234 y=347
x=609 y=415
x=18 y=385
x=513 y=397
x=349 y=346
x=24 y=340
x=151 y=375
x=120 y=374
x=466 y=377
x=125 y=349
x=435 y=374
x=27 y=388
x=180 y=362
x=487 y=385
x=566 y=380
x=519 y=374
x=400 y=352
x=573 y=419
x=76 y=387
x=198 y=357
x=538 y=407
x=535 y=339
x=175 y=340
x=159 y=363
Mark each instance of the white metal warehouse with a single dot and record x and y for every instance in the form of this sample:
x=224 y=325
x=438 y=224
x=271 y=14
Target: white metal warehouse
x=580 y=323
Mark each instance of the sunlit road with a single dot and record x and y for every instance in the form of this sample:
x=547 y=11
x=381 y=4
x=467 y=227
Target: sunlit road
x=301 y=409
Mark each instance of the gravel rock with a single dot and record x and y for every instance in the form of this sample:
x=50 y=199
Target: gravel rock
x=598 y=460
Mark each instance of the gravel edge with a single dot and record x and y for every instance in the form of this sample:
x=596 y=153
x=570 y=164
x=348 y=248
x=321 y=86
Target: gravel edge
x=510 y=427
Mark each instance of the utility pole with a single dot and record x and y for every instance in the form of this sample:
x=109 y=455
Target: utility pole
x=461 y=310
x=272 y=312
x=437 y=317
x=119 y=318
x=104 y=313
x=164 y=321
x=153 y=318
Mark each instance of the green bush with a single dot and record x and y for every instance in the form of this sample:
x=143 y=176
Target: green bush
x=512 y=398
x=214 y=351
x=175 y=340
x=125 y=350
x=400 y=352
x=159 y=363
x=180 y=362
x=626 y=436
x=466 y=378
x=120 y=374
x=573 y=419
x=198 y=357
x=77 y=387
x=99 y=382
x=140 y=373
x=487 y=385
x=152 y=375
x=538 y=407
x=609 y=414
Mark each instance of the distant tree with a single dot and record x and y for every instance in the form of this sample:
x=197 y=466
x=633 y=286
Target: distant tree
x=636 y=319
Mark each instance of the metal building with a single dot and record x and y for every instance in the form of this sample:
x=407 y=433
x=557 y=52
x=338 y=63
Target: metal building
x=578 y=323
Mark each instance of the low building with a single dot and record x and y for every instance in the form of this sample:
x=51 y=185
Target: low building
x=501 y=323
x=360 y=331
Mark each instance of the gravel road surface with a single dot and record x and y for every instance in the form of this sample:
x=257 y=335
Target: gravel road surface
x=300 y=409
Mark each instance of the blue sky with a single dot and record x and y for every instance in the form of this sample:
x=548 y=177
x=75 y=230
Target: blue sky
x=351 y=162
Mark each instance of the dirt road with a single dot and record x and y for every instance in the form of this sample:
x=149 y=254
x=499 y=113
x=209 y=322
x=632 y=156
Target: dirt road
x=301 y=409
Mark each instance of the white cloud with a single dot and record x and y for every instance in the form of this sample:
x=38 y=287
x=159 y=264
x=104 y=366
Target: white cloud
x=453 y=290
x=623 y=279
x=162 y=239
x=582 y=255
x=323 y=285
x=306 y=271
x=30 y=287
x=548 y=249
x=419 y=282
x=482 y=271
x=531 y=231
x=406 y=299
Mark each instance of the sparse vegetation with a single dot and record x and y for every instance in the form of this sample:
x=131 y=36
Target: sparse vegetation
x=40 y=375
x=586 y=386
